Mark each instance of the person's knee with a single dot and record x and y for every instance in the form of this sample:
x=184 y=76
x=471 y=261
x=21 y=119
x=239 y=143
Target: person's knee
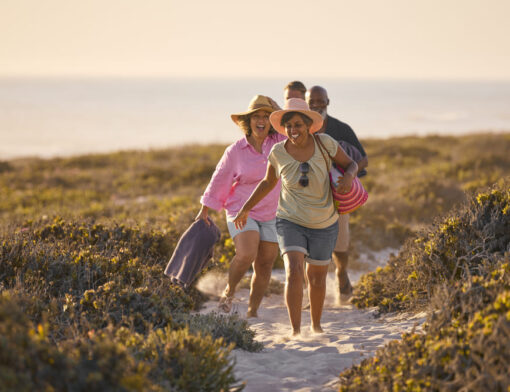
x=262 y=270
x=245 y=256
x=295 y=274
x=317 y=280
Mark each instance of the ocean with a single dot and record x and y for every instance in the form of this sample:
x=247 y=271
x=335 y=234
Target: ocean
x=63 y=117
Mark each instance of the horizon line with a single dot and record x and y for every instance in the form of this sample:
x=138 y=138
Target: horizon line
x=84 y=77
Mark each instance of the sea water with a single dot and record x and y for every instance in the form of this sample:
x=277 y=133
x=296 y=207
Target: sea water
x=62 y=117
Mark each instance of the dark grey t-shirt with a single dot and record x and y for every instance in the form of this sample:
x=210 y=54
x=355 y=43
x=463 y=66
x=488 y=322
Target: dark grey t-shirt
x=339 y=130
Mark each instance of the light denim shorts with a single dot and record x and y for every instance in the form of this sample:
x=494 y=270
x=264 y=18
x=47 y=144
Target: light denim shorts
x=316 y=244
x=266 y=230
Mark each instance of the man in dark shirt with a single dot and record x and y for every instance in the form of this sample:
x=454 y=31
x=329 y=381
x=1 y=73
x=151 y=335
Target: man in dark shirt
x=317 y=99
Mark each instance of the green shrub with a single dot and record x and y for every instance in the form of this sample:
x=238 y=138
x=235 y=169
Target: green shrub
x=461 y=269
x=460 y=244
x=232 y=329
x=29 y=361
x=184 y=361
x=465 y=344
x=111 y=359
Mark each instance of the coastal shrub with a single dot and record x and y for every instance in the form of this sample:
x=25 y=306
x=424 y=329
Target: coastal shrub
x=5 y=166
x=96 y=298
x=119 y=269
x=460 y=270
x=458 y=246
x=160 y=189
x=189 y=362
x=232 y=329
x=29 y=361
x=465 y=344
x=111 y=359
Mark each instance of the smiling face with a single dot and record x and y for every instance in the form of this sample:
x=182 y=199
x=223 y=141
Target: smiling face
x=318 y=101
x=259 y=124
x=297 y=129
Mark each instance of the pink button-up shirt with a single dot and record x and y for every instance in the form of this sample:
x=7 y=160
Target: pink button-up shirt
x=237 y=174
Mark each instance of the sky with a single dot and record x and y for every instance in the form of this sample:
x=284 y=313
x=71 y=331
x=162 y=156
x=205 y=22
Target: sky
x=398 y=39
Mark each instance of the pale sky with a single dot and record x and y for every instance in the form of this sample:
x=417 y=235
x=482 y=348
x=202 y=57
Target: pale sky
x=467 y=39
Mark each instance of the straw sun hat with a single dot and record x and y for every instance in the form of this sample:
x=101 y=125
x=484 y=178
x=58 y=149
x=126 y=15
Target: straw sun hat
x=258 y=102
x=295 y=105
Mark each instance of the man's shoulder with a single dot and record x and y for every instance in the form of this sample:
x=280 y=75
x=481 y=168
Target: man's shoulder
x=335 y=123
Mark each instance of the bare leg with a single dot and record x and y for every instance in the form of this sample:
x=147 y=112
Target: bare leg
x=246 y=244
x=294 y=288
x=341 y=260
x=262 y=267
x=317 y=292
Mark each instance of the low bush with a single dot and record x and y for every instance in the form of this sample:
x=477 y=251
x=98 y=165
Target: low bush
x=86 y=307
x=457 y=246
x=232 y=329
x=112 y=359
x=465 y=344
x=460 y=269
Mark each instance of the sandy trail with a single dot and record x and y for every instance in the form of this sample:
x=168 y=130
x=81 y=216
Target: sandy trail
x=311 y=362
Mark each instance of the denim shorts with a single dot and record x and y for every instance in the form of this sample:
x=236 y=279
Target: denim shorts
x=316 y=244
x=266 y=230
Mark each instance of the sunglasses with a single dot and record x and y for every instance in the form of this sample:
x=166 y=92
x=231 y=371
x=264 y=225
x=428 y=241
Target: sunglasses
x=304 y=168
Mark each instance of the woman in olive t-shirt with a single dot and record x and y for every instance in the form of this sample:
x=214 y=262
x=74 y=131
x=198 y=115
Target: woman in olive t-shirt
x=306 y=218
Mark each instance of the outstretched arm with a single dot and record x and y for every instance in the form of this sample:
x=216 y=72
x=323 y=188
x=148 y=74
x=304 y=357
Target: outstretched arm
x=263 y=188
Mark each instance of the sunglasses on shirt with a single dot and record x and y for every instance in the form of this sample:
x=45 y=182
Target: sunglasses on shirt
x=304 y=168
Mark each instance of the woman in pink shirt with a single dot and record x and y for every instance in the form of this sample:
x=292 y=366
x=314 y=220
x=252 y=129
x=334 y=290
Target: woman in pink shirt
x=238 y=172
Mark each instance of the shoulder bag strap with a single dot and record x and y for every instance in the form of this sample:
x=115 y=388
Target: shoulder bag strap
x=321 y=146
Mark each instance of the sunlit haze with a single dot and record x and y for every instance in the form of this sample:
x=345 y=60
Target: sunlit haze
x=441 y=39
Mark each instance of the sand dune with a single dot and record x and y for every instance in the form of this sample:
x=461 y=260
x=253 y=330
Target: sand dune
x=312 y=362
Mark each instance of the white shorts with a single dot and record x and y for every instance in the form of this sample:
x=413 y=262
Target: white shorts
x=266 y=230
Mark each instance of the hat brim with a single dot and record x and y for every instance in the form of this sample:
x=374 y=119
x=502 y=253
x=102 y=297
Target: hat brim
x=276 y=117
x=235 y=116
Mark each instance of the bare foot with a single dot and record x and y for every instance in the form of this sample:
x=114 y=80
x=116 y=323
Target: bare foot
x=317 y=329
x=225 y=304
x=292 y=336
x=345 y=299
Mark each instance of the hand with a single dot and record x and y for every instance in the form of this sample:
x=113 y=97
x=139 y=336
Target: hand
x=203 y=214
x=241 y=219
x=344 y=183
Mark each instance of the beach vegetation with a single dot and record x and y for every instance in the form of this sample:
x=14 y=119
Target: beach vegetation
x=84 y=242
x=459 y=271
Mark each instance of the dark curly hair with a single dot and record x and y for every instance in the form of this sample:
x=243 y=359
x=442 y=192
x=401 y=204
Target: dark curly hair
x=287 y=116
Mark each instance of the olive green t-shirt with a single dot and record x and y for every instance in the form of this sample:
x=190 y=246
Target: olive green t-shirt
x=311 y=206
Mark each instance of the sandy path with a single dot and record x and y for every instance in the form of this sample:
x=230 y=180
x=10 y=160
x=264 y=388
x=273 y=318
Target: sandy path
x=312 y=362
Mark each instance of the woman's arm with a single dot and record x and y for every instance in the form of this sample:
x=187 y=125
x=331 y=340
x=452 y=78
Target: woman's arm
x=220 y=184
x=263 y=188
x=350 y=170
